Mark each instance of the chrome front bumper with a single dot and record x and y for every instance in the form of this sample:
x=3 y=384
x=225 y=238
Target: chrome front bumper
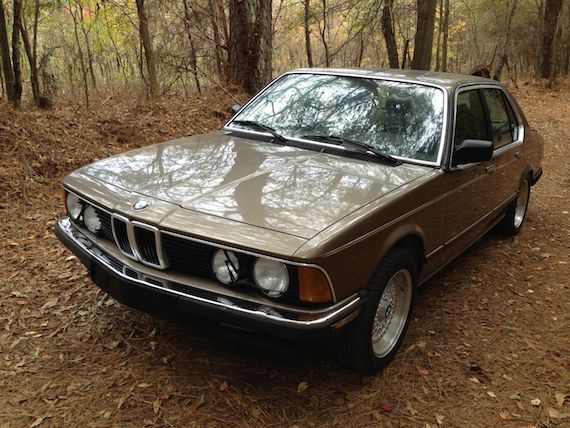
x=177 y=300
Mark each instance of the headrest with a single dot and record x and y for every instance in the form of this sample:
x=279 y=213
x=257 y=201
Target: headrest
x=399 y=105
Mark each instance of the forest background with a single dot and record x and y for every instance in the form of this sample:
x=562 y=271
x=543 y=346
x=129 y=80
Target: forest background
x=54 y=50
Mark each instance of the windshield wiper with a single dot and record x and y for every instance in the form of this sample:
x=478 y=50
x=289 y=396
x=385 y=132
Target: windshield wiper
x=355 y=146
x=262 y=127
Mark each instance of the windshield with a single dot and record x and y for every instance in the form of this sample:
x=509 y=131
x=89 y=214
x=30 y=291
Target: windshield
x=396 y=118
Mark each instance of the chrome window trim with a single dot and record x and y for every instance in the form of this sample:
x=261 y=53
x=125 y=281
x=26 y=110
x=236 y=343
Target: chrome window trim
x=444 y=126
x=496 y=152
x=506 y=148
x=520 y=124
x=201 y=241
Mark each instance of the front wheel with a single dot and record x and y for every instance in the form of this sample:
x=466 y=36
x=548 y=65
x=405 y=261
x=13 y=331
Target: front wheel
x=516 y=213
x=378 y=332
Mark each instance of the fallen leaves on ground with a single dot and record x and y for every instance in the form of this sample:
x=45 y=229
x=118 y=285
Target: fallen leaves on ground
x=71 y=356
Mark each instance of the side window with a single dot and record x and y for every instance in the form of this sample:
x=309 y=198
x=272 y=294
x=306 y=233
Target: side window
x=515 y=125
x=503 y=122
x=470 y=118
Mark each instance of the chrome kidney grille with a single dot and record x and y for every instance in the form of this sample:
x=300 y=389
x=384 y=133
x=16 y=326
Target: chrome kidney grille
x=139 y=241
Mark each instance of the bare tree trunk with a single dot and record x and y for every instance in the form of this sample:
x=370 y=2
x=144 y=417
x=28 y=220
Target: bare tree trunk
x=504 y=54
x=423 y=41
x=361 y=50
x=81 y=58
x=445 y=36
x=33 y=64
x=148 y=50
x=16 y=65
x=140 y=63
x=439 y=31
x=88 y=48
x=223 y=21
x=557 y=58
x=307 y=19
x=31 y=52
x=552 y=11
x=566 y=64
x=405 y=53
x=35 y=78
x=388 y=33
x=118 y=57
x=217 y=40
x=250 y=44
x=5 y=53
x=566 y=67
x=324 y=32
x=2 y=87
x=193 y=59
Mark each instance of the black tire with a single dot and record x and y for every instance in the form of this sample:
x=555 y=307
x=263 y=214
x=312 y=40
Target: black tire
x=513 y=221
x=357 y=350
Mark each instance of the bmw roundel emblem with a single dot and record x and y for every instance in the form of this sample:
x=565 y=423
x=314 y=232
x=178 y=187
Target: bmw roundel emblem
x=141 y=204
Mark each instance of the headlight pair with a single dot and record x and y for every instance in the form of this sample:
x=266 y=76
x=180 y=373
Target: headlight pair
x=271 y=276
x=81 y=212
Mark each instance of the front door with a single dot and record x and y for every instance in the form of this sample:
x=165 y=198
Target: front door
x=472 y=194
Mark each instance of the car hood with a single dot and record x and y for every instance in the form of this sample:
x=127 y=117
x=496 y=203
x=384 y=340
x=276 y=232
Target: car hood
x=290 y=190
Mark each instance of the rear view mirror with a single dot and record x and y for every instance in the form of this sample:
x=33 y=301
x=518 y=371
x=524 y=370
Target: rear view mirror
x=472 y=151
x=236 y=108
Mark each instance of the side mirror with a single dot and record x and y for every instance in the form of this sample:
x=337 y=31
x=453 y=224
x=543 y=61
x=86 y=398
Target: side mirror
x=472 y=151
x=236 y=108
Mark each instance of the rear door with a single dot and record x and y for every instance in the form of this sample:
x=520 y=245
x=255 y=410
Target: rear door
x=507 y=134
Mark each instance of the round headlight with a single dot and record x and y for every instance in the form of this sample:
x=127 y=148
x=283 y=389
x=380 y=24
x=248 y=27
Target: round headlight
x=74 y=206
x=91 y=219
x=271 y=276
x=225 y=265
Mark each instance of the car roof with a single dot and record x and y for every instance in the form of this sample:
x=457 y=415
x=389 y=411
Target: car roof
x=449 y=81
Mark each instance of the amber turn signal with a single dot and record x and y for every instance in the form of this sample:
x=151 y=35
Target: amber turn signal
x=314 y=286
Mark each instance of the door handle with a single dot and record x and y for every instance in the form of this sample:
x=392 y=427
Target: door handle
x=518 y=155
x=489 y=168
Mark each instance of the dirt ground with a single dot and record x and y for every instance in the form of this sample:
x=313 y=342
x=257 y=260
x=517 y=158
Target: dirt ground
x=489 y=344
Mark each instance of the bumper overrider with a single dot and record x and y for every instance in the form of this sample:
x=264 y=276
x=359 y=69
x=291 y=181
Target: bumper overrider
x=172 y=300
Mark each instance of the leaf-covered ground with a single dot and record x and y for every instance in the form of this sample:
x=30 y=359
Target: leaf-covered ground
x=489 y=344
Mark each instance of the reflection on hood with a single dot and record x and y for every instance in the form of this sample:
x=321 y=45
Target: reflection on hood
x=282 y=188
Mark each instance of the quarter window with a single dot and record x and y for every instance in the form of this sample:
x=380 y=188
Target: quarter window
x=503 y=120
x=470 y=118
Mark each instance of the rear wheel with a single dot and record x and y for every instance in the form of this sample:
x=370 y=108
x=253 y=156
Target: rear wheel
x=513 y=221
x=377 y=334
